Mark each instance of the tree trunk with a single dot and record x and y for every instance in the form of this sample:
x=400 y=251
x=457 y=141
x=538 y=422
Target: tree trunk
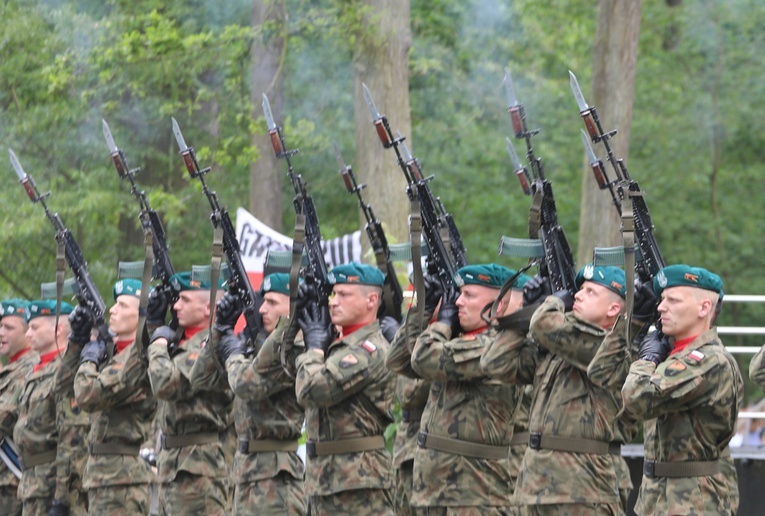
x=381 y=61
x=613 y=90
x=267 y=77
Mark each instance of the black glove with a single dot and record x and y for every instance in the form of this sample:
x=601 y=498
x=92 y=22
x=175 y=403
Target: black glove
x=434 y=291
x=58 y=508
x=227 y=312
x=81 y=322
x=231 y=345
x=536 y=289
x=389 y=326
x=156 y=310
x=449 y=313
x=655 y=347
x=167 y=333
x=644 y=308
x=94 y=351
x=316 y=324
x=565 y=296
x=307 y=294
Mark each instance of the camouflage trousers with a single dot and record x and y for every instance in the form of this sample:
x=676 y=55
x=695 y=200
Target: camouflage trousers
x=573 y=509
x=118 y=500
x=465 y=511
x=10 y=503
x=193 y=495
x=378 y=502
x=404 y=476
x=280 y=496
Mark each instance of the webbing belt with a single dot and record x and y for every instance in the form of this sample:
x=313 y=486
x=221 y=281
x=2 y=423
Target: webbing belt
x=701 y=468
x=167 y=442
x=30 y=461
x=321 y=448
x=538 y=441
x=520 y=438
x=459 y=447
x=266 y=445
x=114 y=449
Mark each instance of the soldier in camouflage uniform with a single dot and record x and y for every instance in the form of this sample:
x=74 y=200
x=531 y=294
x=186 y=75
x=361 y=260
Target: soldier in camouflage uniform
x=572 y=462
x=21 y=359
x=267 y=473
x=49 y=469
x=687 y=388
x=757 y=368
x=192 y=470
x=461 y=465
x=117 y=394
x=348 y=395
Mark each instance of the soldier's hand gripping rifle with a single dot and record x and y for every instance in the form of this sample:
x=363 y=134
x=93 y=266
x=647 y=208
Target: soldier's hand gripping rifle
x=238 y=283
x=447 y=252
x=393 y=296
x=307 y=238
x=87 y=293
x=624 y=190
x=163 y=267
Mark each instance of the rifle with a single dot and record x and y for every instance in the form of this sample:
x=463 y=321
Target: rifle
x=558 y=262
x=437 y=224
x=87 y=293
x=393 y=297
x=163 y=267
x=623 y=189
x=238 y=283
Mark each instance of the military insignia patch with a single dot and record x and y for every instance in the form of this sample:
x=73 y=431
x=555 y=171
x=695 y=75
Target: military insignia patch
x=267 y=283
x=661 y=279
x=696 y=355
x=74 y=406
x=118 y=288
x=589 y=271
x=192 y=358
x=369 y=346
x=674 y=369
x=348 y=361
x=115 y=368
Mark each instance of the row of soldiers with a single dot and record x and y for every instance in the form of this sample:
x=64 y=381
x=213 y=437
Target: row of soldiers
x=495 y=419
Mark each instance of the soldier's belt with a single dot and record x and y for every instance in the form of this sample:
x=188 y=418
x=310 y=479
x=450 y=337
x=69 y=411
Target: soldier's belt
x=30 y=461
x=114 y=449
x=266 y=445
x=413 y=414
x=321 y=448
x=167 y=442
x=520 y=438
x=537 y=441
x=459 y=447
x=700 y=468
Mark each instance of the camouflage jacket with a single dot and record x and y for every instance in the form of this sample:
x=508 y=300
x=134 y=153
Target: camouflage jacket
x=411 y=391
x=265 y=408
x=689 y=403
x=122 y=409
x=11 y=382
x=463 y=404
x=185 y=409
x=347 y=394
x=757 y=368
x=564 y=403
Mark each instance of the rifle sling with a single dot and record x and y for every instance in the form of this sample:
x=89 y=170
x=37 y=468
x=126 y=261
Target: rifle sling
x=298 y=244
x=60 y=271
x=628 y=236
x=148 y=243
x=535 y=211
x=215 y=262
x=415 y=239
x=387 y=291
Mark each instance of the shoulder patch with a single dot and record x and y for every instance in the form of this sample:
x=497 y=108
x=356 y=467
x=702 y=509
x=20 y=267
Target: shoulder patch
x=369 y=346
x=674 y=369
x=349 y=360
x=114 y=369
x=74 y=406
x=192 y=358
x=696 y=355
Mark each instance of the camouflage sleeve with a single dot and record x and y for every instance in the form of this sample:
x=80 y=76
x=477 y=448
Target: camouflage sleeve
x=399 y=356
x=9 y=408
x=510 y=357
x=323 y=383
x=167 y=381
x=263 y=375
x=108 y=388
x=611 y=364
x=650 y=391
x=64 y=385
x=437 y=357
x=757 y=368
x=207 y=373
x=569 y=337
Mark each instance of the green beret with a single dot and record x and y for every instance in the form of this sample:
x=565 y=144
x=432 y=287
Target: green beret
x=488 y=275
x=183 y=281
x=684 y=275
x=13 y=307
x=278 y=282
x=127 y=287
x=357 y=274
x=609 y=276
x=46 y=307
x=521 y=281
